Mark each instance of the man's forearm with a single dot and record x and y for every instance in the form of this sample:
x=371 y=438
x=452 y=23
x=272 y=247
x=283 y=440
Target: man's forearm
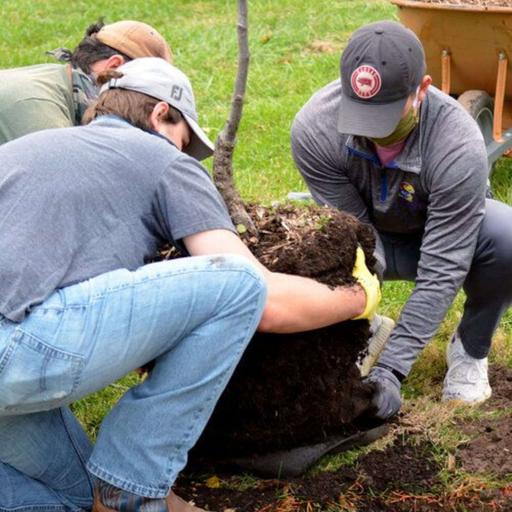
x=297 y=304
x=294 y=303
x=418 y=322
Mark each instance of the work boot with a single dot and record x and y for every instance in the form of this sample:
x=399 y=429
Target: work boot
x=381 y=328
x=177 y=504
x=466 y=379
x=128 y=502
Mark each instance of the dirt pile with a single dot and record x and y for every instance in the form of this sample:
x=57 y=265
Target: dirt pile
x=291 y=390
x=473 y=3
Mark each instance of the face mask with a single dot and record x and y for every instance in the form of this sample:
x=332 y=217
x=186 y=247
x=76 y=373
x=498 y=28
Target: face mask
x=404 y=127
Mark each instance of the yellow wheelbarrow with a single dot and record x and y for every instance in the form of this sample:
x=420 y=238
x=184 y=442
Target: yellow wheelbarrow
x=469 y=50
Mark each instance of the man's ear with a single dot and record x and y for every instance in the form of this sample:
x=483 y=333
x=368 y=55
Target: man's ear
x=425 y=84
x=159 y=110
x=114 y=62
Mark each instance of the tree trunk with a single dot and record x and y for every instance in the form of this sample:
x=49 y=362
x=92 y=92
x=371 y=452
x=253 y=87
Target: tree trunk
x=226 y=141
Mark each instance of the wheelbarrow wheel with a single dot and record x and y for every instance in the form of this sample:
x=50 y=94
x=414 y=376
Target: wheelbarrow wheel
x=480 y=106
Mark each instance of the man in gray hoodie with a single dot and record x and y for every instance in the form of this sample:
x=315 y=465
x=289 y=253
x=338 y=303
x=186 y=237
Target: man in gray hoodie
x=388 y=147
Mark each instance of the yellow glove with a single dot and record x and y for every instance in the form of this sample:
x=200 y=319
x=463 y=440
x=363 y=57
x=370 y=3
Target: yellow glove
x=369 y=283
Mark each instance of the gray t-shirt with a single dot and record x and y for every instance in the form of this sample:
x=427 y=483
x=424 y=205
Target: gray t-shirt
x=79 y=202
x=435 y=189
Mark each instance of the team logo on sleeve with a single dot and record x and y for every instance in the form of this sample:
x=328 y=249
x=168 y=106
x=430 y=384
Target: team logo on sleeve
x=366 y=81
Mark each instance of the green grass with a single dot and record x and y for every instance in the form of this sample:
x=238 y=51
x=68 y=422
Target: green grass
x=288 y=64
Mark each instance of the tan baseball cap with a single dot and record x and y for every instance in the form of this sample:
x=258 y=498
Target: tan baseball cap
x=135 y=39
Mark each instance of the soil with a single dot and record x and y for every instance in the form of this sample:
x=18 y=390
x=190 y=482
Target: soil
x=403 y=469
x=500 y=378
x=290 y=390
x=490 y=450
x=476 y=3
x=402 y=478
x=313 y=242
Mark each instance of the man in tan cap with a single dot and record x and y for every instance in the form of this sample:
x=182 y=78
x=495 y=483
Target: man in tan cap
x=44 y=96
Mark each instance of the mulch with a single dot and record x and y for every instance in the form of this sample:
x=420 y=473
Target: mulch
x=473 y=3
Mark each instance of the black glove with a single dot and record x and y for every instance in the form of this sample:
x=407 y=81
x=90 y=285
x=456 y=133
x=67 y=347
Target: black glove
x=386 y=398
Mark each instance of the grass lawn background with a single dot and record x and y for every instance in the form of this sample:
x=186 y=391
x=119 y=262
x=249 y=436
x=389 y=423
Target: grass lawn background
x=295 y=48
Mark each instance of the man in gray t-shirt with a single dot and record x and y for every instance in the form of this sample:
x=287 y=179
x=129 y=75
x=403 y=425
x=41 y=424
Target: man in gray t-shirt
x=386 y=146
x=81 y=210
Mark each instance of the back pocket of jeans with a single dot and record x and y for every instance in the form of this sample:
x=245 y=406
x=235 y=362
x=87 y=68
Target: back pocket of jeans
x=34 y=376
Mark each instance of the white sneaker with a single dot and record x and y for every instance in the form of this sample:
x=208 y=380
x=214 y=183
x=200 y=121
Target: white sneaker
x=466 y=379
x=381 y=328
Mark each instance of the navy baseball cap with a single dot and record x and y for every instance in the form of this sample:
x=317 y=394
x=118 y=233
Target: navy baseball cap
x=381 y=67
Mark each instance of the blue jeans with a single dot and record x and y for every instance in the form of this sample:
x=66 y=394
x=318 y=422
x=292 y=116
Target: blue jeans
x=193 y=316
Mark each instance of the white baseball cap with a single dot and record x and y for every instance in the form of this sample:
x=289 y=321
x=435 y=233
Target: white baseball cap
x=159 y=79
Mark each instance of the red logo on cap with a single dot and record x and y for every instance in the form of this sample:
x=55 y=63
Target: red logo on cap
x=366 y=81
